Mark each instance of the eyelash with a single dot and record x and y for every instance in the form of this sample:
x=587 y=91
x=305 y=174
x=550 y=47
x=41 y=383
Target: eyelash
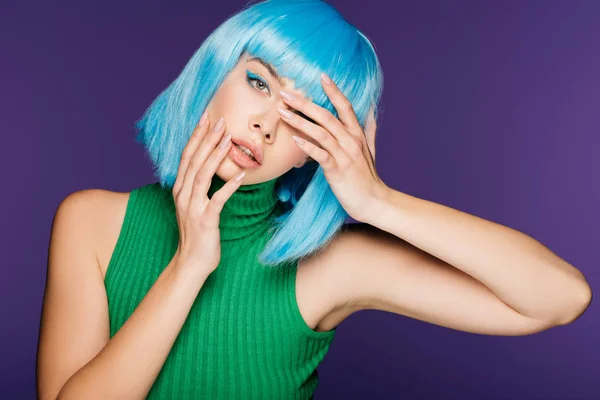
x=251 y=78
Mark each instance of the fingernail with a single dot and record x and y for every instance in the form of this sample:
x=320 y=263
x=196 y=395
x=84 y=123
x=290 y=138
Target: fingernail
x=325 y=79
x=225 y=141
x=203 y=119
x=218 y=125
x=287 y=95
x=240 y=176
x=285 y=113
x=298 y=140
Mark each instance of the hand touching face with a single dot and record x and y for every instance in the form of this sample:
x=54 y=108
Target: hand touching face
x=248 y=100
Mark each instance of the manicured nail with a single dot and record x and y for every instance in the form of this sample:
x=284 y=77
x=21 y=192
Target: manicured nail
x=287 y=95
x=204 y=118
x=325 y=79
x=225 y=141
x=285 y=113
x=298 y=140
x=240 y=177
x=218 y=125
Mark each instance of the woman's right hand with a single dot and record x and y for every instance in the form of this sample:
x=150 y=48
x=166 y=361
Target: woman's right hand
x=198 y=216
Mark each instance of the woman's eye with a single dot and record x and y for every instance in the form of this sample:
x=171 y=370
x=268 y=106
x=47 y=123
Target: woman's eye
x=257 y=83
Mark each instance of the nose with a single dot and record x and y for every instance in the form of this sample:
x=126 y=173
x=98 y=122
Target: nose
x=267 y=122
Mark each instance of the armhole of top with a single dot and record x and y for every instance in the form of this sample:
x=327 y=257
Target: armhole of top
x=298 y=318
x=122 y=233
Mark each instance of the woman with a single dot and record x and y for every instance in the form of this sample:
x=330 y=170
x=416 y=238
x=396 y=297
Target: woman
x=214 y=287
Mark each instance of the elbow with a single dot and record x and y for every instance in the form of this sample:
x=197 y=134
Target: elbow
x=581 y=303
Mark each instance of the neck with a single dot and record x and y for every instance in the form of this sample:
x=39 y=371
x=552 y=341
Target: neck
x=249 y=209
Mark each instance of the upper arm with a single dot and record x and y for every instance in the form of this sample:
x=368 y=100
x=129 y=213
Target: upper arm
x=74 y=325
x=379 y=271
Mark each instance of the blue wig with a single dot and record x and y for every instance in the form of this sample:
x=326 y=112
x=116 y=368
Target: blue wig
x=301 y=39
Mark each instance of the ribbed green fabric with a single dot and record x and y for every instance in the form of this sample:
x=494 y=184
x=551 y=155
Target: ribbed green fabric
x=244 y=337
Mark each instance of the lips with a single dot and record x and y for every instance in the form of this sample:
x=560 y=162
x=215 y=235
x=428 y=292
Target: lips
x=256 y=150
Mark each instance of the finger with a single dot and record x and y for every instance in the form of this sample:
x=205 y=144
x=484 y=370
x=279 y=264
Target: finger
x=370 y=130
x=199 y=158
x=317 y=120
x=316 y=153
x=321 y=136
x=215 y=206
x=342 y=105
x=204 y=176
x=189 y=150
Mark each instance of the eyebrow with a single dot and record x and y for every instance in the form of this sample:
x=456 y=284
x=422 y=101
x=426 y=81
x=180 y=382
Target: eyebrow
x=269 y=68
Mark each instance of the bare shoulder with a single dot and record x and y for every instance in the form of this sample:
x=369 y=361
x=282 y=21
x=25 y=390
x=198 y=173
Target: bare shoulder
x=109 y=215
x=101 y=213
x=74 y=325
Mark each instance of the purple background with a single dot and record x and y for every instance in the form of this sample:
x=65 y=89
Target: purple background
x=490 y=107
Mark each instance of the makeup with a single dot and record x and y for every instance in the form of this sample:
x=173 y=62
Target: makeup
x=254 y=80
x=241 y=158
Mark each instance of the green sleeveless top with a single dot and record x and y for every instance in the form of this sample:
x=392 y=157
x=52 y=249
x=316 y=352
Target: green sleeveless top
x=244 y=337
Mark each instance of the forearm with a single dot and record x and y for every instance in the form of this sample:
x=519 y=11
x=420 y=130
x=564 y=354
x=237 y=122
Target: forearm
x=130 y=362
x=522 y=272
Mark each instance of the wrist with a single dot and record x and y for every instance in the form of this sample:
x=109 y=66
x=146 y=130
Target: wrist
x=189 y=270
x=378 y=207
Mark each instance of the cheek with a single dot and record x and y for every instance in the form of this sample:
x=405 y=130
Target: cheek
x=230 y=98
x=296 y=154
x=289 y=153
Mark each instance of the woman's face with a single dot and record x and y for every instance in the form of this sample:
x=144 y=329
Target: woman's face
x=249 y=109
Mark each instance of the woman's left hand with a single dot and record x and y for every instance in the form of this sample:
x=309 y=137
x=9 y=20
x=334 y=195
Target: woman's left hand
x=346 y=152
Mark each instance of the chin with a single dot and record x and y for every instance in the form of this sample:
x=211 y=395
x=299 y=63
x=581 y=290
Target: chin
x=229 y=170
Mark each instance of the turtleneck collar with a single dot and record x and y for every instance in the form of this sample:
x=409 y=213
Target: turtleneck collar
x=250 y=208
